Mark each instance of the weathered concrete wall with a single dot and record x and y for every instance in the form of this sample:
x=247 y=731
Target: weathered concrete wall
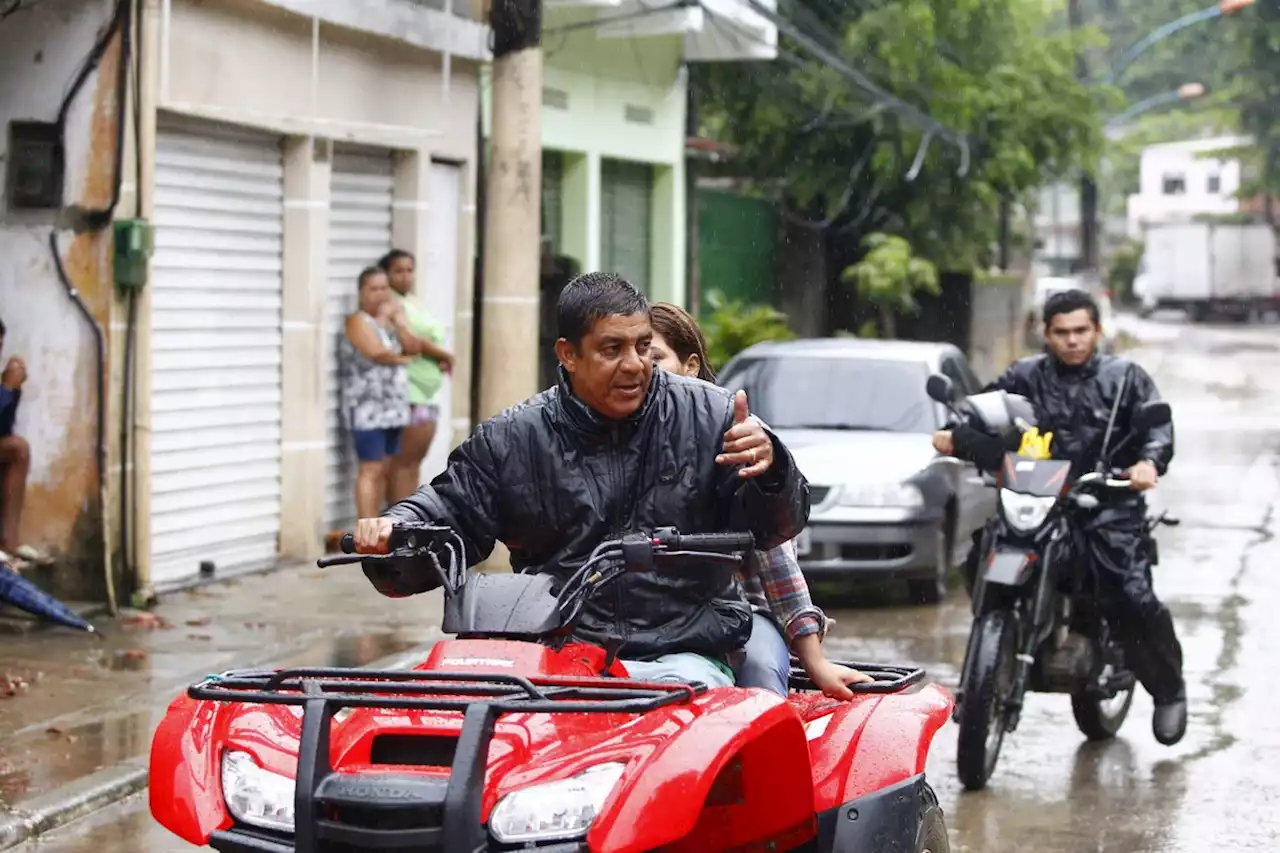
x=996 y=327
x=40 y=49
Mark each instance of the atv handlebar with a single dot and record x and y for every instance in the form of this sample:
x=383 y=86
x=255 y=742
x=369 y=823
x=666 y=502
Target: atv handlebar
x=443 y=551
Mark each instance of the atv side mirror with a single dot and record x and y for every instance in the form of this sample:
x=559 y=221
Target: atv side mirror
x=1151 y=415
x=940 y=389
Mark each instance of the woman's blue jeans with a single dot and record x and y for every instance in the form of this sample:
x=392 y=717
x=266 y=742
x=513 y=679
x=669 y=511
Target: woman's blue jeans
x=767 y=661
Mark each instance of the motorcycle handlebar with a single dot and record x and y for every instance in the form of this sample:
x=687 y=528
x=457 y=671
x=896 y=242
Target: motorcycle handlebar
x=1095 y=479
x=716 y=543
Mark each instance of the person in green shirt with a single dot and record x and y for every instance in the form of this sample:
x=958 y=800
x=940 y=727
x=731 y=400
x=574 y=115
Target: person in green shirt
x=426 y=375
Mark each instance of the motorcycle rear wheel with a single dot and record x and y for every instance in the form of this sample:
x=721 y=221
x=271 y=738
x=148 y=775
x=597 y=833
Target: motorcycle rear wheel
x=1098 y=718
x=982 y=711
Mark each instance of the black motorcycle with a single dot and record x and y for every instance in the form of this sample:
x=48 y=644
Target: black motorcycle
x=1036 y=623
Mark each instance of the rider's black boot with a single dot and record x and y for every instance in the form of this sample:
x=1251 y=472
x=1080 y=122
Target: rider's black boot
x=1169 y=723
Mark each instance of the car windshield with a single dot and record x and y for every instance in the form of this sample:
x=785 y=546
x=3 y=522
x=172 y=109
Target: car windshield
x=822 y=392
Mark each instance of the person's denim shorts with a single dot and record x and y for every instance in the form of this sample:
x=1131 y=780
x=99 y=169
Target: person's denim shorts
x=374 y=445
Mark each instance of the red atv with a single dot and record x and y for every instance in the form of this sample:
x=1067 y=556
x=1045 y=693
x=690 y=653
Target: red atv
x=511 y=737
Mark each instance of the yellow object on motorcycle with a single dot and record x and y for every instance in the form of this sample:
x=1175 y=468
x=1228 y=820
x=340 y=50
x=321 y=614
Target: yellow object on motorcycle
x=1034 y=445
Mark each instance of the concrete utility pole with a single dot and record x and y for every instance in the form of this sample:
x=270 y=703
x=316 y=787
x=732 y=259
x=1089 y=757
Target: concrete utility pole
x=1088 y=187
x=513 y=229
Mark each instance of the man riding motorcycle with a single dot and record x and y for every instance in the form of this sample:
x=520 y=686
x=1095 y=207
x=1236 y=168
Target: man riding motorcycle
x=1073 y=389
x=616 y=446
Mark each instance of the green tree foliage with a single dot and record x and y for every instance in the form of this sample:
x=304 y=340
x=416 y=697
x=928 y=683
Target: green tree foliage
x=1259 y=91
x=889 y=276
x=1211 y=53
x=733 y=326
x=1124 y=269
x=990 y=68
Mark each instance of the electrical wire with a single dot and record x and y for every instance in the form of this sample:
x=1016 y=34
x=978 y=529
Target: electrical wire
x=96 y=220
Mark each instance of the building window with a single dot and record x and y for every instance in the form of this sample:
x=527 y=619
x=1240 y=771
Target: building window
x=1175 y=185
x=1214 y=184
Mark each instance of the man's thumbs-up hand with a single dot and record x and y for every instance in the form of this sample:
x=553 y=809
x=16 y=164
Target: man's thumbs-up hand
x=746 y=442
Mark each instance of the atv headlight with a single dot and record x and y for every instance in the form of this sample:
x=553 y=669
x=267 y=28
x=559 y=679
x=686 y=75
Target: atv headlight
x=1025 y=512
x=881 y=495
x=256 y=796
x=554 y=810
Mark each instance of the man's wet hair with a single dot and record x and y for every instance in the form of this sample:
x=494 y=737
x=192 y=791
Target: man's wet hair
x=1070 y=301
x=593 y=296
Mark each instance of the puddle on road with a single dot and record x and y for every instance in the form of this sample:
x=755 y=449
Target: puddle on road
x=364 y=649
x=39 y=758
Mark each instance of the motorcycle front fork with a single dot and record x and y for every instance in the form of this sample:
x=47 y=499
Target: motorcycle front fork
x=1029 y=637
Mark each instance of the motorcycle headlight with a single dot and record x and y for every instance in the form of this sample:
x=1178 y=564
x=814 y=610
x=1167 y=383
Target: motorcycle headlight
x=554 y=810
x=1025 y=512
x=902 y=495
x=256 y=796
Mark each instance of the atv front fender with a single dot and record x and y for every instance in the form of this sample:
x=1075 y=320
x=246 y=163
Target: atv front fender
x=734 y=770
x=185 y=787
x=861 y=754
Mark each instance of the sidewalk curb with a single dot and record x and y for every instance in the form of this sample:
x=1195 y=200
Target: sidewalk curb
x=61 y=806
x=74 y=800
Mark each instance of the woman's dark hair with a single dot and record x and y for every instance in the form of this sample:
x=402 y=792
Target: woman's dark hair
x=1068 y=302
x=385 y=262
x=365 y=274
x=681 y=332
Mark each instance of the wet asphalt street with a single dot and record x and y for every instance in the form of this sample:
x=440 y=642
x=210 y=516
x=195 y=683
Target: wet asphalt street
x=1052 y=793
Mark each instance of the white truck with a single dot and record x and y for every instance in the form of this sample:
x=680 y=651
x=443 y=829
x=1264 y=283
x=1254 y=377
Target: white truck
x=1209 y=269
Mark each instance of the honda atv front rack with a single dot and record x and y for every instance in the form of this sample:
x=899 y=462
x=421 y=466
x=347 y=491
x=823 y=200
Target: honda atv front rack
x=885 y=679
x=481 y=697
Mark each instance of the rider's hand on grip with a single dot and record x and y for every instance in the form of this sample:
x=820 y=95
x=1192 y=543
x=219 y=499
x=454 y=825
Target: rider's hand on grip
x=372 y=535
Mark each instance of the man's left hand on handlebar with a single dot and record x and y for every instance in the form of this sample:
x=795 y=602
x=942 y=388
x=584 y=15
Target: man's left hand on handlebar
x=746 y=442
x=372 y=535
x=1143 y=476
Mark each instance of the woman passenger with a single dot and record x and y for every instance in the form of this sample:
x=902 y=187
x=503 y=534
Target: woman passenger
x=777 y=590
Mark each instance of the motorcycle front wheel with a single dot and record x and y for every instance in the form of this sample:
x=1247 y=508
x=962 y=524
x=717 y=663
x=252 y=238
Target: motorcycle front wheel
x=983 y=713
x=1099 y=718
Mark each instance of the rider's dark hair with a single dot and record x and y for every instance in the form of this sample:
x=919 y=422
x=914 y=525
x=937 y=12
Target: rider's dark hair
x=592 y=296
x=1 y=328
x=385 y=262
x=681 y=332
x=365 y=275
x=1069 y=301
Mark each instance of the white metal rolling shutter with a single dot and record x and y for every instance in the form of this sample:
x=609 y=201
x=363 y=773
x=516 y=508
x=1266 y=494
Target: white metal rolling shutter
x=438 y=290
x=360 y=197
x=216 y=348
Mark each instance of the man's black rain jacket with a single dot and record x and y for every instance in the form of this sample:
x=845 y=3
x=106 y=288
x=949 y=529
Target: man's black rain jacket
x=551 y=478
x=1075 y=403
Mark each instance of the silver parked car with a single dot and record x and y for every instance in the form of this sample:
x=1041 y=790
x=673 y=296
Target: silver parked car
x=857 y=419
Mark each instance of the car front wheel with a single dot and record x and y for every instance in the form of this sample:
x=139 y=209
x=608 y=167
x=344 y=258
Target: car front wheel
x=933 y=590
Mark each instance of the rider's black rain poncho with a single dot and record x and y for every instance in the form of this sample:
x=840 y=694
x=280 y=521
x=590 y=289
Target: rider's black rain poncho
x=1075 y=403
x=551 y=478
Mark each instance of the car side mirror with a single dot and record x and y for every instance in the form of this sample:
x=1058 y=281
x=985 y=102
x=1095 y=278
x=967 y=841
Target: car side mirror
x=940 y=389
x=1151 y=415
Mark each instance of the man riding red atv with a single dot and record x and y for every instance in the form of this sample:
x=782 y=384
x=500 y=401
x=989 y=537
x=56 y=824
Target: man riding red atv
x=588 y=702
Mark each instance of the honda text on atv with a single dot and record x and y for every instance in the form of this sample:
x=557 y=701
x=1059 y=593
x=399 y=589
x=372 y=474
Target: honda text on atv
x=512 y=737
x=1036 y=623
